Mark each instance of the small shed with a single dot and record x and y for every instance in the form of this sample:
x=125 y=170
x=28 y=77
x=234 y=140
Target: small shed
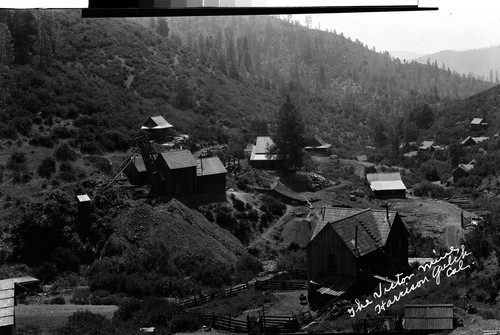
x=177 y=172
x=469 y=140
x=362 y=158
x=157 y=127
x=463 y=170
x=263 y=156
x=8 y=290
x=427 y=146
x=136 y=171
x=211 y=175
x=386 y=185
x=429 y=317
x=478 y=124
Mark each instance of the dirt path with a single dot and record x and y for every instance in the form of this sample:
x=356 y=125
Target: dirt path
x=269 y=232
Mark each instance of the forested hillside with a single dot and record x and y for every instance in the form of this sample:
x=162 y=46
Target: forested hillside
x=107 y=75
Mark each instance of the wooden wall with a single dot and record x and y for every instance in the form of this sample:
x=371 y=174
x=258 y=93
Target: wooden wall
x=327 y=242
x=435 y=317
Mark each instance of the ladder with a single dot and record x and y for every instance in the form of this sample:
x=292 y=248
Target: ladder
x=370 y=234
x=122 y=167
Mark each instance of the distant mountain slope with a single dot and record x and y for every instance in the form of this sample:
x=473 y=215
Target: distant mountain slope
x=405 y=55
x=480 y=62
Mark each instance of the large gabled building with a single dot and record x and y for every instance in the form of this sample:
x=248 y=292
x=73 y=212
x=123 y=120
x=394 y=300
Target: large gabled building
x=177 y=173
x=157 y=128
x=353 y=248
x=263 y=155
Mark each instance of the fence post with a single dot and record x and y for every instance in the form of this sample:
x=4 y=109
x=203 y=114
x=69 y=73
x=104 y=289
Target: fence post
x=213 y=319
x=229 y=323
x=231 y=291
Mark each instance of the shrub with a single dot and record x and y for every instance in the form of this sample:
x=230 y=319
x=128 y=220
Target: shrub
x=253 y=215
x=212 y=274
x=85 y=322
x=239 y=205
x=273 y=205
x=47 y=167
x=66 y=172
x=64 y=153
x=248 y=262
x=435 y=191
x=57 y=301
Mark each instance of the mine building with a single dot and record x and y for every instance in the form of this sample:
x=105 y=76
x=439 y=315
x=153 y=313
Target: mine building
x=177 y=173
x=157 y=128
x=263 y=156
x=136 y=171
x=353 y=249
x=386 y=185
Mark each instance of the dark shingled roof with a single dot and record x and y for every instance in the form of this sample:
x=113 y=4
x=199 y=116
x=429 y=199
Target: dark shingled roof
x=211 y=166
x=178 y=159
x=373 y=227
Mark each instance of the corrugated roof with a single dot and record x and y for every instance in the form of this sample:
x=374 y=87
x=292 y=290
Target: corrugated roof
x=211 y=166
x=476 y=120
x=427 y=144
x=385 y=181
x=336 y=285
x=156 y=122
x=387 y=185
x=83 y=198
x=179 y=159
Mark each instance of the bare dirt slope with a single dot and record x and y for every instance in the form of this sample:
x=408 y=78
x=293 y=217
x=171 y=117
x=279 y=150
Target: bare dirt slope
x=182 y=228
x=435 y=218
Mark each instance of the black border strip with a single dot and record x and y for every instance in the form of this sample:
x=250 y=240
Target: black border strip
x=232 y=11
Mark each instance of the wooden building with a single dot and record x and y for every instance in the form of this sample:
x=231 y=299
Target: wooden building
x=478 y=124
x=352 y=248
x=211 y=175
x=318 y=145
x=157 y=128
x=9 y=288
x=429 y=317
x=263 y=156
x=136 y=171
x=386 y=185
x=177 y=173
x=462 y=171
x=470 y=141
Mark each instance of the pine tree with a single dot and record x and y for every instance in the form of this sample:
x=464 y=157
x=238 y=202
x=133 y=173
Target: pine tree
x=6 y=47
x=289 y=134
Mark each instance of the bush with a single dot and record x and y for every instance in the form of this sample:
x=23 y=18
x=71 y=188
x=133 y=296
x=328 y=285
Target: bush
x=239 y=205
x=212 y=274
x=47 y=167
x=85 y=322
x=435 y=191
x=57 y=301
x=66 y=172
x=64 y=153
x=273 y=205
x=247 y=262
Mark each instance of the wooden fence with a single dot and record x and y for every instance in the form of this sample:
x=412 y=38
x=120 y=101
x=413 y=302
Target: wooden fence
x=264 y=324
x=377 y=325
x=280 y=285
x=202 y=299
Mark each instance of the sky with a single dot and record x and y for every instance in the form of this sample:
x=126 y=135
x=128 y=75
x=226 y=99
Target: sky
x=457 y=25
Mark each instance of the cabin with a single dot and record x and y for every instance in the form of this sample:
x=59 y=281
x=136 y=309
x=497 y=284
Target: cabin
x=211 y=175
x=362 y=158
x=438 y=317
x=427 y=146
x=136 y=171
x=263 y=157
x=462 y=171
x=470 y=141
x=177 y=173
x=9 y=289
x=352 y=249
x=386 y=185
x=478 y=124
x=318 y=145
x=157 y=128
